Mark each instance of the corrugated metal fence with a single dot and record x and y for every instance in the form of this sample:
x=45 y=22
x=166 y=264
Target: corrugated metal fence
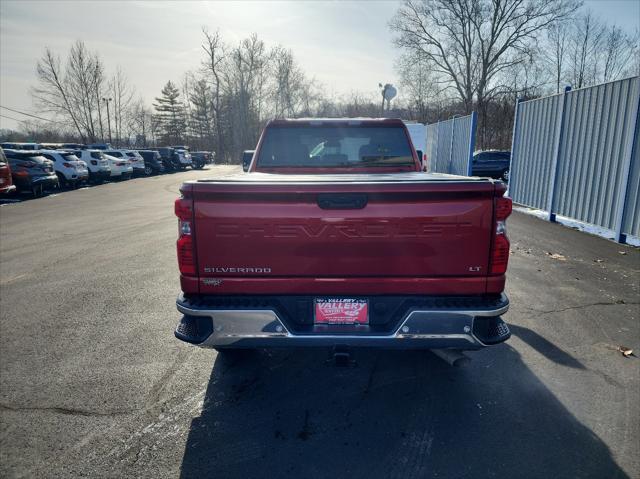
x=576 y=154
x=450 y=145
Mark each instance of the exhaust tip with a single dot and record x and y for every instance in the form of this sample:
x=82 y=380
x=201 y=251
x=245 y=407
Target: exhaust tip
x=453 y=357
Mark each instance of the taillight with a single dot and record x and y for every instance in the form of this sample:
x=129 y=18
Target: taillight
x=500 y=247
x=186 y=257
x=27 y=164
x=67 y=165
x=94 y=162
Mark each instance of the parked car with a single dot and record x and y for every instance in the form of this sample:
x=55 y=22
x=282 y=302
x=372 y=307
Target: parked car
x=139 y=167
x=6 y=183
x=73 y=146
x=31 y=172
x=491 y=163
x=52 y=146
x=327 y=251
x=100 y=146
x=201 y=158
x=121 y=168
x=247 y=156
x=182 y=158
x=98 y=165
x=152 y=162
x=167 y=154
x=182 y=155
x=137 y=162
x=70 y=170
x=9 y=146
x=21 y=146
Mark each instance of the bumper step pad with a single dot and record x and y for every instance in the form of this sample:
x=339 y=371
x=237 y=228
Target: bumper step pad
x=194 y=329
x=491 y=330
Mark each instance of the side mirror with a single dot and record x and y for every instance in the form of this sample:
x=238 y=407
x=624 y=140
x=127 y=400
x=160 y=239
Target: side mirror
x=246 y=161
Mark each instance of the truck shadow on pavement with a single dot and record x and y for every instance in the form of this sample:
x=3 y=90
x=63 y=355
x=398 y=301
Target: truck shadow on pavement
x=394 y=415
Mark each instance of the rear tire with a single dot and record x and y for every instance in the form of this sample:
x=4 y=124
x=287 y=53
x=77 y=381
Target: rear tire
x=505 y=176
x=148 y=171
x=62 y=181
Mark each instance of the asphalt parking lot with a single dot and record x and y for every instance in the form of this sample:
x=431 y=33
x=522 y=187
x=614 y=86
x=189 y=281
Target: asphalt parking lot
x=93 y=383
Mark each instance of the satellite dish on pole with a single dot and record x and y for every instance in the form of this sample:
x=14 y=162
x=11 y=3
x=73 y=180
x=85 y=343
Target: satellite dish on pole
x=389 y=92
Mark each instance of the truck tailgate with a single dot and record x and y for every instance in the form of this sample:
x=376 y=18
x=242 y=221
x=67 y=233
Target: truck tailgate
x=330 y=233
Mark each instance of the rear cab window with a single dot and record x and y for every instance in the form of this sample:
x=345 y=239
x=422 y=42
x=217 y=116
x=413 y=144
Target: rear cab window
x=338 y=145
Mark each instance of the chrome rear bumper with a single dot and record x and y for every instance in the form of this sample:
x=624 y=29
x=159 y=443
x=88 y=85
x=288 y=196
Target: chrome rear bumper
x=435 y=328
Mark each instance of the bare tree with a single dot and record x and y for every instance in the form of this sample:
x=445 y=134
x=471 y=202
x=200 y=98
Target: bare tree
x=471 y=43
x=73 y=93
x=140 y=121
x=122 y=94
x=51 y=93
x=289 y=83
x=418 y=85
x=187 y=90
x=587 y=36
x=213 y=47
x=98 y=80
x=618 y=52
x=80 y=83
x=558 y=44
x=245 y=77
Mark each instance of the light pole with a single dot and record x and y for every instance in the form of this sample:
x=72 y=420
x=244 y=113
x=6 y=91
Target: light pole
x=107 y=100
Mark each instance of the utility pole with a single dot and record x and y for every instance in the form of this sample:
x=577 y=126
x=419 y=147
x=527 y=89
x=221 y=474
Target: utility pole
x=107 y=100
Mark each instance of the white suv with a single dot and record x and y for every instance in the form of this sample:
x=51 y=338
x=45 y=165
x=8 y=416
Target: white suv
x=98 y=165
x=120 y=167
x=70 y=170
x=137 y=162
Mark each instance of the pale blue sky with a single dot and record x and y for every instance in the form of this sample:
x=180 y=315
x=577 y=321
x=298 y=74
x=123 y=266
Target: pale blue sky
x=344 y=45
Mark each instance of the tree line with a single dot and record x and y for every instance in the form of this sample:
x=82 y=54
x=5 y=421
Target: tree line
x=454 y=57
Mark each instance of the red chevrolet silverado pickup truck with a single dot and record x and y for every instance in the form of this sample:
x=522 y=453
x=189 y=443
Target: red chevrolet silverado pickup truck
x=335 y=237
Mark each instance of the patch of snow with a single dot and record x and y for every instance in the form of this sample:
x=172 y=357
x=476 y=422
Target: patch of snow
x=579 y=225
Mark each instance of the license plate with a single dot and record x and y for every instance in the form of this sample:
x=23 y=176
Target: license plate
x=341 y=311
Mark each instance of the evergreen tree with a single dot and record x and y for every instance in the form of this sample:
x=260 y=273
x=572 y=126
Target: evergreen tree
x=170 y=115
x=201 y=114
